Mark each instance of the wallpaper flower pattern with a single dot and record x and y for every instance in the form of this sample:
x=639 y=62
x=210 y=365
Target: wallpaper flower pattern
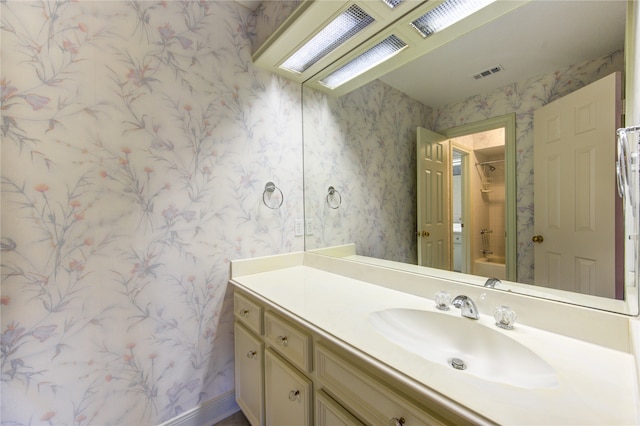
x=364 y=144
x=137 y=138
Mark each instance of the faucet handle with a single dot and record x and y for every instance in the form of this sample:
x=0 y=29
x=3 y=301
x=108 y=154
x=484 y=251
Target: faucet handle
x=505 y=317
x=443 y=300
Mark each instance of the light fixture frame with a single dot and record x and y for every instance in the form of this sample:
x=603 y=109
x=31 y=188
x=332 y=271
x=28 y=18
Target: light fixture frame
x=294 y=33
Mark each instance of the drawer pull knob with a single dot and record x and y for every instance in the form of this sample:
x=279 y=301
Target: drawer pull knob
x=396 y=421
x=245 y=313
x=252 y=354
x=282 y=340
x=294 y=395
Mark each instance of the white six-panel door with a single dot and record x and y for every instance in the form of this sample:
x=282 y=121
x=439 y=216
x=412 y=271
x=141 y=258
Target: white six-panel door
x=434 y=204
x=575 y=190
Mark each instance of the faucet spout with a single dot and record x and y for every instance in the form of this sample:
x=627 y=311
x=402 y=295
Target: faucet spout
x=492 y=282
x=468 y=308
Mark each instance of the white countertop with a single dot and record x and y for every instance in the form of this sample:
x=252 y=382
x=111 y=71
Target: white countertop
x=597 y=385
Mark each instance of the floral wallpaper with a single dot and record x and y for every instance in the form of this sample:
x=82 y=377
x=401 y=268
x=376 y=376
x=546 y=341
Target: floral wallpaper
x=137 y=139
x=364 y=145
x=270 y=16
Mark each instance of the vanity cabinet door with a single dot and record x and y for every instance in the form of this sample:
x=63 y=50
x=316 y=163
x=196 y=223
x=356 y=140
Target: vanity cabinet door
x=288 y=395
x=329 y=413
x=249 y=355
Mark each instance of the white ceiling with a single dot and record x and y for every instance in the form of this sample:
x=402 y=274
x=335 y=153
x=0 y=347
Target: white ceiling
x=537 y=38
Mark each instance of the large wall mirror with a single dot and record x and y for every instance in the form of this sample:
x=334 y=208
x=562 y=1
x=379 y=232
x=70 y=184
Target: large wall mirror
x=361 y=149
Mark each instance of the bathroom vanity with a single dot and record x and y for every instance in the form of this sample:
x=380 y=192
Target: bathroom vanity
x=323 y=340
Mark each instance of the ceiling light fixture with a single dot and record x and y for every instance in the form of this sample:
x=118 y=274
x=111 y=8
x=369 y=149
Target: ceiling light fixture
x=447 y=14
x=379 y=53
x=341 y=29
x=392 y=3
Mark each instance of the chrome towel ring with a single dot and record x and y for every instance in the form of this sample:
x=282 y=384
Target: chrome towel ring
x=272 y=196
x=334 y=199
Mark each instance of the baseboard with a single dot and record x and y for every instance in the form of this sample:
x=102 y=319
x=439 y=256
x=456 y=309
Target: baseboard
x=209 y=413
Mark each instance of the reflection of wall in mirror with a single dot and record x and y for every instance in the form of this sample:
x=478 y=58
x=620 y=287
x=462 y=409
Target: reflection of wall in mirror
x=364 y=142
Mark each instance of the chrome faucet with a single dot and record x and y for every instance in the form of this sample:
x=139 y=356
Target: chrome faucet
x=492 y=282
x=468 y=309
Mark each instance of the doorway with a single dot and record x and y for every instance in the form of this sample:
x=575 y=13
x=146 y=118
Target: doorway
x=473 y=181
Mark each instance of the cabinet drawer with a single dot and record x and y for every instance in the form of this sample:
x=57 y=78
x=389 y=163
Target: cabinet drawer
x=288 y=393
x=249 y=369
x=329 y=413
x=248 y=312
x=365 y=397
x=291 y=342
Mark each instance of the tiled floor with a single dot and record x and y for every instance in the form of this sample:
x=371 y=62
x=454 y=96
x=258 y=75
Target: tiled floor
x=237 y=419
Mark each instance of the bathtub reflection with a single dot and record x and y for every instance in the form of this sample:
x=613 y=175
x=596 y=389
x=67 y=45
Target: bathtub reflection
x=493 y=266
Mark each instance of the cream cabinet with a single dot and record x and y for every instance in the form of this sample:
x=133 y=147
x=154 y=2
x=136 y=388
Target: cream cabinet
x=249 y=358
x=288 y=394
x=330 y=413
x=364 y=395
x=249 y=369
x=290 y=373
x=248 y=312
x=287 y=339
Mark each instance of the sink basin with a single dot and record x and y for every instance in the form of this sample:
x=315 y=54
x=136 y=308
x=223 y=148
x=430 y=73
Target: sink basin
x=464 y=344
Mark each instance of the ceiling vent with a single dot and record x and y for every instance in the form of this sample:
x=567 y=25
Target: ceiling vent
x=488 y=72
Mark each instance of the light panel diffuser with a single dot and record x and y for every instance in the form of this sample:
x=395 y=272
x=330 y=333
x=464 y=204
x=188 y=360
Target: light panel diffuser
x=446 y=14
x=369 y=59
x=342 y=28
x=393 y=3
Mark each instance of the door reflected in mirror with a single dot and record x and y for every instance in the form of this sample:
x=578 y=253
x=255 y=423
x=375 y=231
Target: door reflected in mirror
x=462 y=189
